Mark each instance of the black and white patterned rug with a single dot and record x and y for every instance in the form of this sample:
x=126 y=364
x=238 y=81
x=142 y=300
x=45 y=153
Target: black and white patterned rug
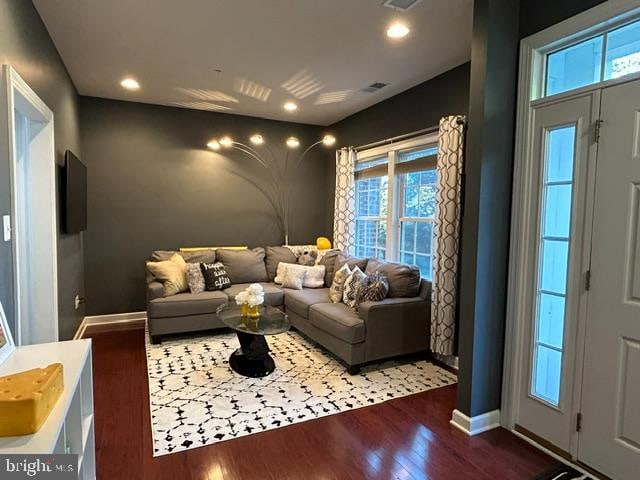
x=197 y=400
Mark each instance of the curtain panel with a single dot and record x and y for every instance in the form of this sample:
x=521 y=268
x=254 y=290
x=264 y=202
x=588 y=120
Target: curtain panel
x=344 y=220
x=449 y=168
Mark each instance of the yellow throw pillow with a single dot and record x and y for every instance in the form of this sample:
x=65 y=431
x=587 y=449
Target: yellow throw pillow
x=172 y=273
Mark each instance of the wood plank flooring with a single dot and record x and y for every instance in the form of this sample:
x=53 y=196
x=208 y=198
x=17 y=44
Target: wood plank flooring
x=406 y=438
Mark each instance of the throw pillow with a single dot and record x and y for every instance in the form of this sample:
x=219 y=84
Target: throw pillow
x=314 y=277
x=215 y=276
x=293 y=278
x=352 y=261
x=328 y=259
x=337 y=286
x=351 y=286
x=171 y=273
x=372 y=288
x=244 y=266
x=195 y=278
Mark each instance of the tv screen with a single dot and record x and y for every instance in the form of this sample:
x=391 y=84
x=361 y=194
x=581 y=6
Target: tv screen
x=75 y=194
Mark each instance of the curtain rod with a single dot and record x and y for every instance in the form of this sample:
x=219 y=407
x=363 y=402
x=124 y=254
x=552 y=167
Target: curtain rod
x=423 y=131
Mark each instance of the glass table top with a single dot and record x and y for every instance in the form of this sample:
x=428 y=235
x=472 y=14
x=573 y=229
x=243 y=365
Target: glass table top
x=270 y=321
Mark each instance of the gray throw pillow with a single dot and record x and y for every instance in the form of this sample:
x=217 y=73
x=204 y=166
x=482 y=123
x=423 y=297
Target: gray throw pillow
x=244 y=266
x=195 y=278
x=404 y=280
x=372 y=288
x=328 y=259
x=276 y=255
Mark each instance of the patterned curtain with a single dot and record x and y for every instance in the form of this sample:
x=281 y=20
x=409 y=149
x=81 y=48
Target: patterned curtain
x=447 y=234
x=344 y=220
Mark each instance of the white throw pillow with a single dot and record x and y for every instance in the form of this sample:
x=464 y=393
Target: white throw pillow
x=293 y=278
x=337 y=286
x=351 y=286
x=314 y=277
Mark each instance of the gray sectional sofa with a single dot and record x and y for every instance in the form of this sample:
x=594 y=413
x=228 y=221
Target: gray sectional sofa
x=397 y=325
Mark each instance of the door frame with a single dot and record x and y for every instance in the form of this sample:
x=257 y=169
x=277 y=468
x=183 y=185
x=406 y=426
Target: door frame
x=16 y=85
x=533 y=52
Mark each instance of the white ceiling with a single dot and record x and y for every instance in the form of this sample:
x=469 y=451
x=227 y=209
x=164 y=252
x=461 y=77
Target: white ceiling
x=320 y=53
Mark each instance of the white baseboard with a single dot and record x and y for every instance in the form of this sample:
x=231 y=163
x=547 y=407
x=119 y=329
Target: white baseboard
x=108 y=319
x=477 y=424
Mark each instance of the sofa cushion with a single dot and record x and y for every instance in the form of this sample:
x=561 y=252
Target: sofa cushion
x=404 y=280
x=244 y=266
x=328 y=259
x=273 y=294
x=352 y=261
x=300 y=300
x=339 y=321
x=275 y=255
x=185 y=304
x=200 y=256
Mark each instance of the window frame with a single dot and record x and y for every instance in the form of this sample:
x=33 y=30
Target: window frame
x=395 y=190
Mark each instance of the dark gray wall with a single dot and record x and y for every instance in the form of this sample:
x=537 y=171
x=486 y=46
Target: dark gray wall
x=26 y=46
x=541 y=14
x=154 y=185
x=419 y=107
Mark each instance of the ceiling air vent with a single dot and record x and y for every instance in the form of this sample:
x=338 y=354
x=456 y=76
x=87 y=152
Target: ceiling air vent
x=401 y=5
x=374 y=87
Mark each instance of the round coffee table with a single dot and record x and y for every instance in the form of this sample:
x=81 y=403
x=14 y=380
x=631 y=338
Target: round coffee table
x=252 y=359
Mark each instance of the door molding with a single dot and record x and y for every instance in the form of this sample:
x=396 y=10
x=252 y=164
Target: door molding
x=31 y=101
x=533 y=50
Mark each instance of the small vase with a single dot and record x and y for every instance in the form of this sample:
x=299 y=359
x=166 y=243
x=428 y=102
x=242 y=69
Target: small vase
x=244 y=310
x=252 y=312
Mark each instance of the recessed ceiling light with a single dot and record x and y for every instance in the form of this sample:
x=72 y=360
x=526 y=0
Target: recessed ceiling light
x=226 y=141
x=329 y=140
x=130 y=83
x=397 y=30
x=213 y=145
x=293 y=142
x=290 y=107
x=257 y=139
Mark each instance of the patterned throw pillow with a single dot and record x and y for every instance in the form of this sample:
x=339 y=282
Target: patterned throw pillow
x=195 y=278
x=351 y=286
x=337 y=286
x=172 y=273
x=293 y=278
x=373 y=288
x=215 y=276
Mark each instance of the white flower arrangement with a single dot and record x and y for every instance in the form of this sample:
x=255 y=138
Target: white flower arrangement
x=252 y=296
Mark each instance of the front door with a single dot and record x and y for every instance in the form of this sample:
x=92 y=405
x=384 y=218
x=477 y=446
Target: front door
x=609 y=439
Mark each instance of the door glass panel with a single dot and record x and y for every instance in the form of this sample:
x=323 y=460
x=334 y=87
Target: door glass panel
x=555 y=232
x=548 y=373
x=623 y=51
x=574 y=66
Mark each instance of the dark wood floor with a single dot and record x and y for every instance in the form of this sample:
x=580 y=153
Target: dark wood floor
x=406 y=438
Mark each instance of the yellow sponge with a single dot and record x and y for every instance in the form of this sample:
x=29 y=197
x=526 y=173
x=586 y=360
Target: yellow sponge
x=27 y=398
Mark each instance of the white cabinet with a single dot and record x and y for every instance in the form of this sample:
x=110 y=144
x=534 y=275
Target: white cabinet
x=69 y=427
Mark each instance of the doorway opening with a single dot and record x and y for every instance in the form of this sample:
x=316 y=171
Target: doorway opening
x=33 y=212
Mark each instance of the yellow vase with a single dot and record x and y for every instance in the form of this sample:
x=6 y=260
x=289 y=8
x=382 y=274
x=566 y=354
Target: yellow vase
x=247 y=311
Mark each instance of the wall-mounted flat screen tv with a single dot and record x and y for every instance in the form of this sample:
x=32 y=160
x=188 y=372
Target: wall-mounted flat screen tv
x=74 y=213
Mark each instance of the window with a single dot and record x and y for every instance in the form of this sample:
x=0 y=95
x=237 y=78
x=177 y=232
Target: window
x=394 y=219
x=555 y=229
x=612 y=54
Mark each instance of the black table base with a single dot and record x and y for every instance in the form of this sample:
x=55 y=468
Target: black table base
x=252 y=359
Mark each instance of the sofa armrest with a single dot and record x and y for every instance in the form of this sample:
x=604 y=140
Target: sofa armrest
x=396 y=326
x=154 y=290
x=388 y=306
